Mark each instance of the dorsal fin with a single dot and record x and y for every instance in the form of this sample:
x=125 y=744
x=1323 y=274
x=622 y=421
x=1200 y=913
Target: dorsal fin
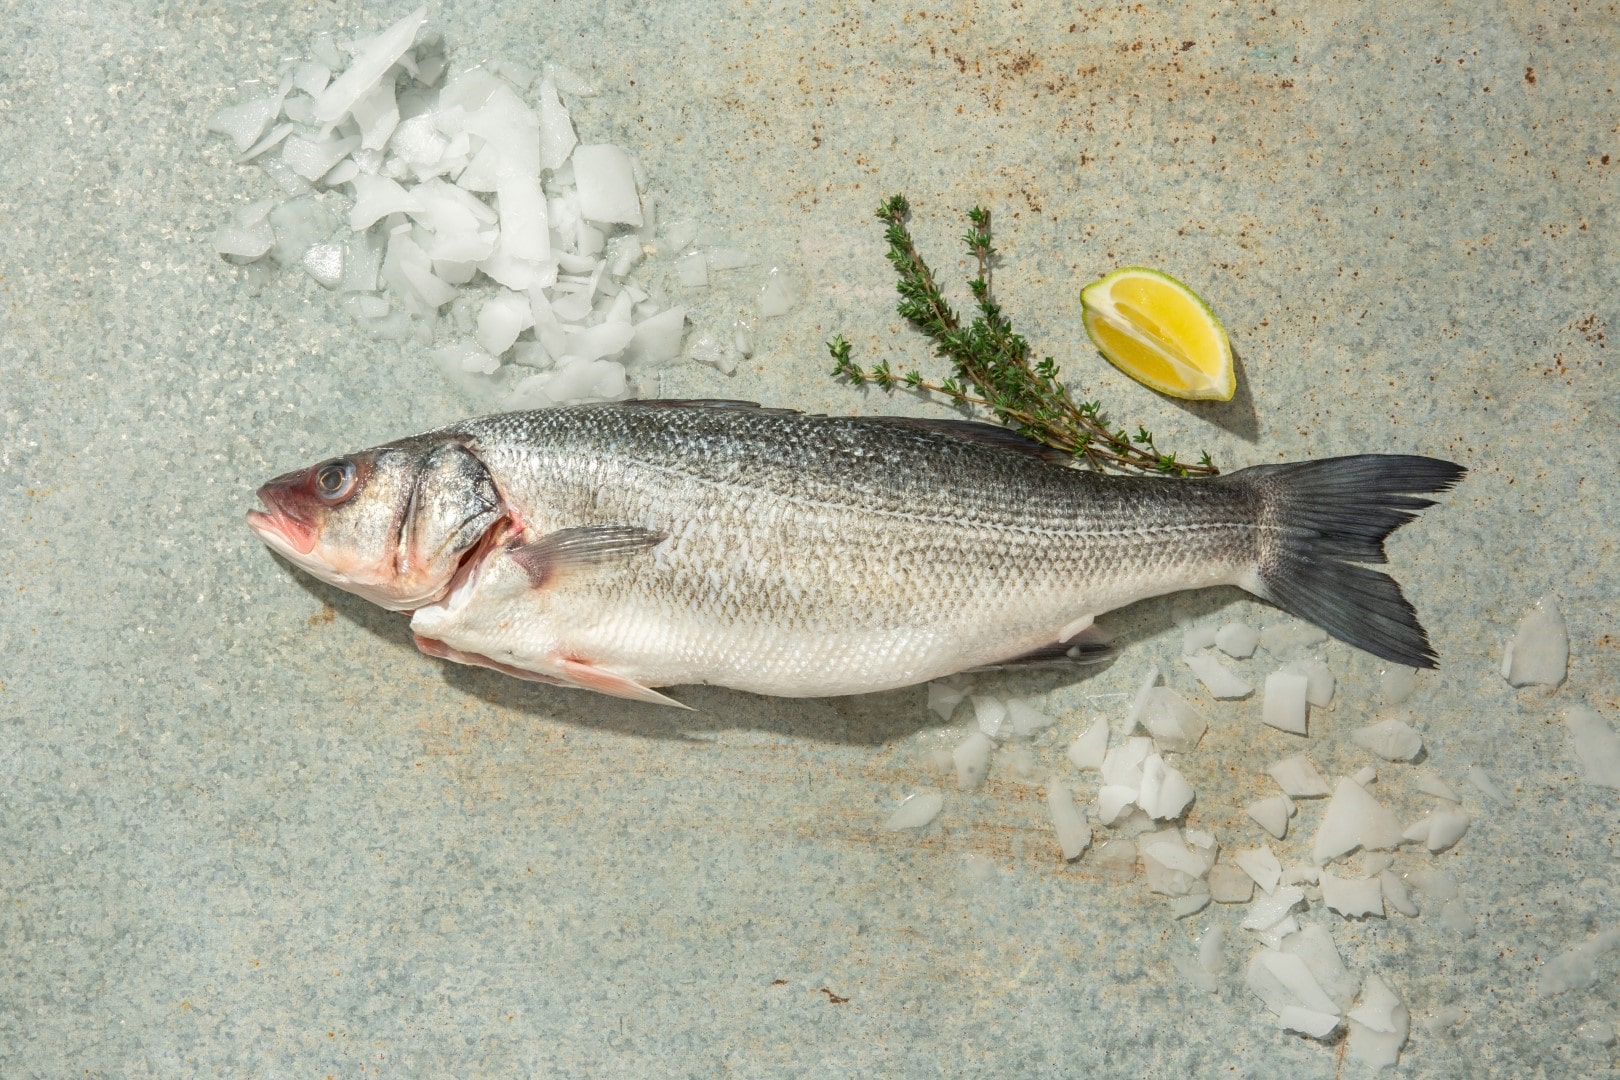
x=705 y=403
x=974 y=431
x=968 y=430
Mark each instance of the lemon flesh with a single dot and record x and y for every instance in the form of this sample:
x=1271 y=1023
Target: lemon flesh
x=1160 y=333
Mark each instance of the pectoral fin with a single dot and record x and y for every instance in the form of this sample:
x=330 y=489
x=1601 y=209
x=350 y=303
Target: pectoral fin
x=567 y=550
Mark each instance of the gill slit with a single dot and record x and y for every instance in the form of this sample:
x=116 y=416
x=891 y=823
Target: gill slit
x=401 y=557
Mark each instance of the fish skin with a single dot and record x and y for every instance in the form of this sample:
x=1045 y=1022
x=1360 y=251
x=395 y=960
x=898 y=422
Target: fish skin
x=816 y=556
x=812 y=556
x=625 y=546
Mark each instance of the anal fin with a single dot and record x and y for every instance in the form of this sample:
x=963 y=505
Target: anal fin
x=588 y=676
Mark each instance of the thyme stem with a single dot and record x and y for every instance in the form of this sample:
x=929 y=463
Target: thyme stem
x=991 y=365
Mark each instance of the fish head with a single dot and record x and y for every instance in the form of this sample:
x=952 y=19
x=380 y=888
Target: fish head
x=393 y=524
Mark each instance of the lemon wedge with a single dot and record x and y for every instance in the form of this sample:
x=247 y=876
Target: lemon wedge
x=1160 y=333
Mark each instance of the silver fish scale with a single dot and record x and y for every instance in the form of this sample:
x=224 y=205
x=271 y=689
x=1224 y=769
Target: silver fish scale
x=842 y=548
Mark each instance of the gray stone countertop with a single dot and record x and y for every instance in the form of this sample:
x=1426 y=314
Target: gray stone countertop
x=245 y=829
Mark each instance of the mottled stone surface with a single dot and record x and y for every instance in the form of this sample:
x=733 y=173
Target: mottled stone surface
x=246 y=830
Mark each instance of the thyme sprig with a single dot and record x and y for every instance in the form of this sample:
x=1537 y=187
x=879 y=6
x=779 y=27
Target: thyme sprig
x=991 y=365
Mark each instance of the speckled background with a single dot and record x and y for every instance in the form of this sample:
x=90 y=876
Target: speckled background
x=246 y=830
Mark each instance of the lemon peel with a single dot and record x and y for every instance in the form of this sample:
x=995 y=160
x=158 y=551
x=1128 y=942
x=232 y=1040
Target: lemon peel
x=1161 y=333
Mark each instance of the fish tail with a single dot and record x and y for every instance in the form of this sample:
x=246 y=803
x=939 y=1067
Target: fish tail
x=1320 y=520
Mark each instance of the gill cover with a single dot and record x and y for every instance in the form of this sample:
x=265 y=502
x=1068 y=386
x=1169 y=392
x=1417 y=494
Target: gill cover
x=452 y=506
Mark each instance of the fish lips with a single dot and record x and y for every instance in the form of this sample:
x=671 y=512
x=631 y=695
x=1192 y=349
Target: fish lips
x=282 y=530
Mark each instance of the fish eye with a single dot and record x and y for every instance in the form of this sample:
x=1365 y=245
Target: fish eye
x=334 y=481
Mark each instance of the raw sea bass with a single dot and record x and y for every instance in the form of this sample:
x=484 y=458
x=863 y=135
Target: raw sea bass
x=621 y=547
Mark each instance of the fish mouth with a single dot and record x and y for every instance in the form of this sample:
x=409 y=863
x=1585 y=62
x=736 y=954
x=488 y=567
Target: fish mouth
x=280 y=530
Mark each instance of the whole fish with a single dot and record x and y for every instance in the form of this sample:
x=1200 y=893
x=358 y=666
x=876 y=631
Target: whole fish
x=626 y=546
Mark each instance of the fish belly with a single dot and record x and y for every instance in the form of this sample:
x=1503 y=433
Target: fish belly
x=759 y=599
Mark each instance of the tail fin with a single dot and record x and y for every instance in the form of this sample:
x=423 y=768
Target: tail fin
x=1319 y=519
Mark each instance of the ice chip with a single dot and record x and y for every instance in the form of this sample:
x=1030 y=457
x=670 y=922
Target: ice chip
x=1271 y=814
x=1353 y=897
x=1220 y=680
x=1298 y=778
x=1229 y=884
x=372 y=58
x=1355 y=819
x=557 y=139
x=1261 y=865
x=1284 y=981
x=972 y=757
x=1175 y=725
x=1073 y=834
x=1379 y=1025
x=990 y=714
x=501 y=319
x=1237 y=640
x=1595 y=745
x=1392 y=740
x=943 y=699
x=1088 y=750
x=915 y=811
x=1540 y=648
x=777 y=295
x=244 y=123
x=1165 y=792
x=607 y=184
x=1284 y=704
